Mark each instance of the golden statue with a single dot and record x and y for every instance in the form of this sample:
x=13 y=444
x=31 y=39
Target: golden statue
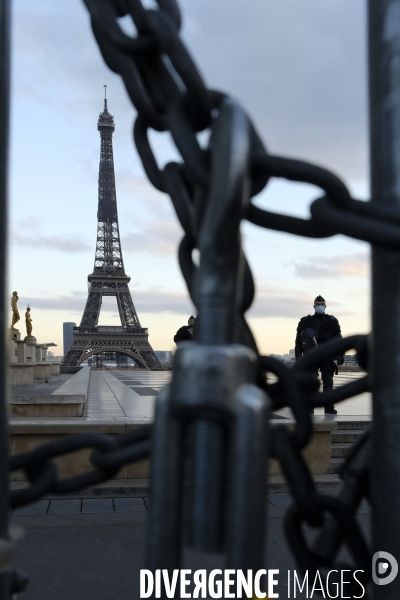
x=28 y=322
x=15 y=316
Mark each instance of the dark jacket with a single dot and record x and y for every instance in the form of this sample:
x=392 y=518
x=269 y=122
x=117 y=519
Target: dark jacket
x=327 y=326
x=184 y=333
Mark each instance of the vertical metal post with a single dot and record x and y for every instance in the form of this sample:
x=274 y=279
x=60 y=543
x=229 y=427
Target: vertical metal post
x=384 y=83
x=4 y=355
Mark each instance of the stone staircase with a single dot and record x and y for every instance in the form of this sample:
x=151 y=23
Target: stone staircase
x=347 y=433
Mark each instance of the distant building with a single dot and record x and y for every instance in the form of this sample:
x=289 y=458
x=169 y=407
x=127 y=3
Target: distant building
x=164 y=356
x=53 y=358
x=277 y=356
x=68 y=336
x=288 y=358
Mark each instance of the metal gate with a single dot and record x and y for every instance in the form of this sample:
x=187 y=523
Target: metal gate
x=215 y=413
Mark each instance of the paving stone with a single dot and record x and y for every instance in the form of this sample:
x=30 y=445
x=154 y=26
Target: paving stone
x=340 y=450
x=344 y=436
x=97 y=505
x=364 y=508
x=36 y=508
x=144 y=391
x=129 y=504
x=280 y=499
x=69 y=506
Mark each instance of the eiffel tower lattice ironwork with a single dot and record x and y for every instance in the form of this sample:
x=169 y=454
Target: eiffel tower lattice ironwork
x=109 y=278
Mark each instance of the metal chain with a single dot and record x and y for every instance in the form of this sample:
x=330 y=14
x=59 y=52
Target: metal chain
x=108 y=456
x=169 y=94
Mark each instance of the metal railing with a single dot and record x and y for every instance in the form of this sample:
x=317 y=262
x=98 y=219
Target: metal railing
x=219 y=398
x=111 y=330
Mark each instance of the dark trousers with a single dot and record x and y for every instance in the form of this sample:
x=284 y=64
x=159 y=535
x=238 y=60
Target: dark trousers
x=327 y=371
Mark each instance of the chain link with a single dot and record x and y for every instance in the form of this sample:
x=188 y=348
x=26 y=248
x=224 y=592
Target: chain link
x=108 y=456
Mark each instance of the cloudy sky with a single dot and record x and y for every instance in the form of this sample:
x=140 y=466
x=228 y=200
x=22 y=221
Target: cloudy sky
x=299 y=68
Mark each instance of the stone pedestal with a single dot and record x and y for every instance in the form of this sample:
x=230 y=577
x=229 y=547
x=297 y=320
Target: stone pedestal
x=15 y=336
x=55 y=368
x=22 y=374
x=43 y=371
x=43 y=353
x=26 y=354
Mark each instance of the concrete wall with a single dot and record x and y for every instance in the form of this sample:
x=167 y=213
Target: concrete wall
x=43 y=371
x=27 y=435
x=21 y=375
x=66 y=370
x=68 y=400
x=25 y=374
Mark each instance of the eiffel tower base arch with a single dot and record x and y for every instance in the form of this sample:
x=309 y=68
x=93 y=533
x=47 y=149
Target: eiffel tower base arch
x=130 y=341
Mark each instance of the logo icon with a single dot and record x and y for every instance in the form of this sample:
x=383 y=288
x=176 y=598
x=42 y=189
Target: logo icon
x=384 y=568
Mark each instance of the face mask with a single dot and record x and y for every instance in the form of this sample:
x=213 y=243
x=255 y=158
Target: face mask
x=320 y=310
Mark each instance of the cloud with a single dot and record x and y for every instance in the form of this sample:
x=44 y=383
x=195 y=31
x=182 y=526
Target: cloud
x=70 y=244
x=302 y=79
x=160 y=237
x=151 y=300
x=157 y=228
x=157 y=300
x=276 y=302
x=141 y=198
x=72 y=303
x=346 y=265
x=29 y=222
x=272 y=301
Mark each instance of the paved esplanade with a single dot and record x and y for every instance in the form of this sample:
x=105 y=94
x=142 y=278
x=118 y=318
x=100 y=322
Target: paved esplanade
x=121 y=394
x=115 y=394
x=96 y=548
x=360 y=405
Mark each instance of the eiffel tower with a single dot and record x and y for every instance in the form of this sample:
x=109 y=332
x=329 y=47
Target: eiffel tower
x=109 y=278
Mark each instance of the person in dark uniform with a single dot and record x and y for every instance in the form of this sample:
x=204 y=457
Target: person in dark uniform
x=314 y=330
x=185 y=333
